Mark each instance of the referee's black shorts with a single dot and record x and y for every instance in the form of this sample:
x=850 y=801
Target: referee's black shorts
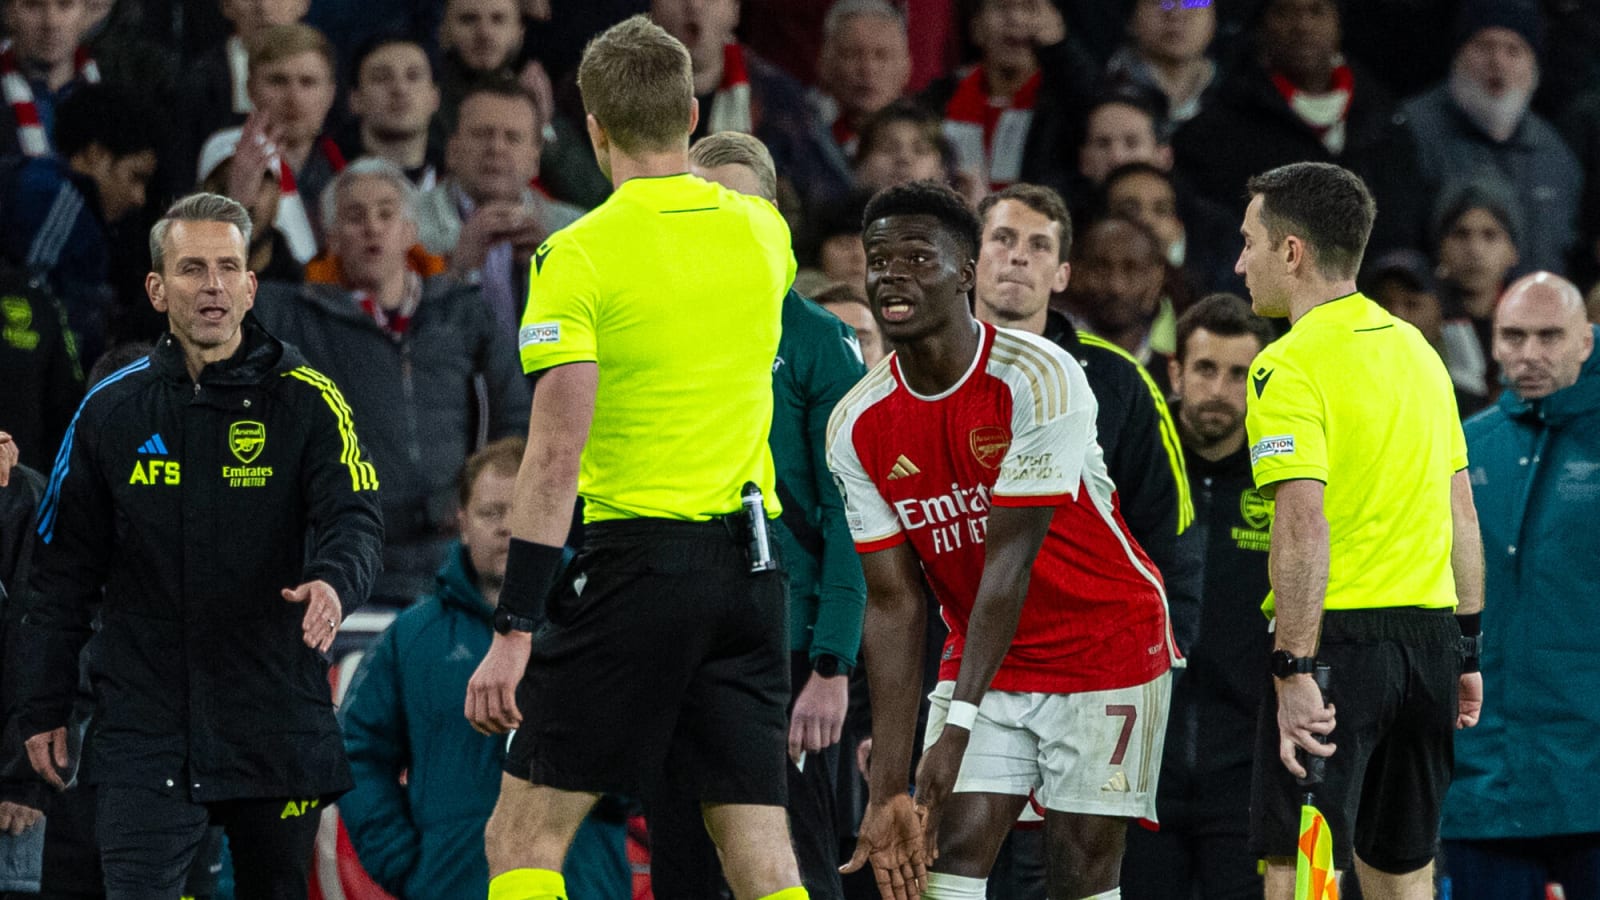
x=1394 y=683
x=662 y=650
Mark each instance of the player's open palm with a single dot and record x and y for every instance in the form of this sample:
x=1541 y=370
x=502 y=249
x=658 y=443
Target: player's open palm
x=936 y=778
x=891 y=839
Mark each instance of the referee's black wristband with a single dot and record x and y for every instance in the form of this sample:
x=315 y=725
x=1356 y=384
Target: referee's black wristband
x=530 y=571
x=1471 y=642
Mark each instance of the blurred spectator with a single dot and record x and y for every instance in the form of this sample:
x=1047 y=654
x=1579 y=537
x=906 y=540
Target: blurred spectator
x=1203 y=794
x=426 y=370
x=833 y=242
x=740 y=91
x=292 y=88
x=849 y=303
x=1592 y=303
x=1011 y=116
x=1297 y=99
x=38 y=366
x=1580 y=125
x=1169 y=51
x=351 y=26
x=864 y=66
x=1403 y=283
x=904 y=142
x=1514 y=818
x=478 y=37
x=1479 y=233
x=215 y=92
x=1117 y=293
x=40 y=65
x=425 y=782
x=1477 y=125
x=23 y=797
x=484 y=217
x=394 y=99
x=226 y=170
x=1202 y=254
x=56 y=212
x=1123 y=126
x=483 y=41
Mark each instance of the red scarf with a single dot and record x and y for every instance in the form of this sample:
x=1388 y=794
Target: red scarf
x=731 y=106
x=1323 y=113
x=31 y=136
x=292 y=219
x=989 y=137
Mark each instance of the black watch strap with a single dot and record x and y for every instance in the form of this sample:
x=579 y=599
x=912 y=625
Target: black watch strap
x=828 y=666
x=1286 y=665
x=506 y=621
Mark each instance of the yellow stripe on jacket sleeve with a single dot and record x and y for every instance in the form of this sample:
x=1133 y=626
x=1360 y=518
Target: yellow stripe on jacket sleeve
x=363 y=477
x=1169 y=430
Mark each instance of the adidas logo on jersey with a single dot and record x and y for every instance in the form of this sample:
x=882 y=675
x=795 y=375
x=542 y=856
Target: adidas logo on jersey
x=903 y=468
x=1117 y=785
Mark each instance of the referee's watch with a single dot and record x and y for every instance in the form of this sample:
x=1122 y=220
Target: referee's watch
x=828 y=666
x=1286 y=665
x=506 y=621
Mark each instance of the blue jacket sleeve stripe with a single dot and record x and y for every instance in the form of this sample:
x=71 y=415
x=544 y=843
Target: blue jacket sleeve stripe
x=52 y=494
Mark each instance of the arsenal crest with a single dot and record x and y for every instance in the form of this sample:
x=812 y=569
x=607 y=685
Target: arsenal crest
x=989 y=445
x=245 y=439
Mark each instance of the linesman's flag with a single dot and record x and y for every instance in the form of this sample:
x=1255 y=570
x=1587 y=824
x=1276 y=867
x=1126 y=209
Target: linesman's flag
x=1314 y=876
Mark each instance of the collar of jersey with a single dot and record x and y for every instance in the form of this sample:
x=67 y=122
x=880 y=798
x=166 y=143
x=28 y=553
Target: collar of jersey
x=983 y=339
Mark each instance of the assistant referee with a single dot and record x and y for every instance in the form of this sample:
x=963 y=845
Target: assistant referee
x=1353 y=427
x=652 y=323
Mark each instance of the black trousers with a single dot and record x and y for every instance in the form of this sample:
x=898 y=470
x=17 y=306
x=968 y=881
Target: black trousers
x=148 y=839
x=683 y=861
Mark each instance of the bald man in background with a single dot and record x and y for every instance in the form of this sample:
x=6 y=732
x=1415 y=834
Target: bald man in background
x=1512 y=821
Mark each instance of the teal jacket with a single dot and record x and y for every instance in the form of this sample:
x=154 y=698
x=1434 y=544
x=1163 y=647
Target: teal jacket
x=403 y=714
x=1528 y=768
x=818 y=362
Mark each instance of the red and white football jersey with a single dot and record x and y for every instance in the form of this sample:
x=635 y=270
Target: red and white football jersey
x=1018 y=429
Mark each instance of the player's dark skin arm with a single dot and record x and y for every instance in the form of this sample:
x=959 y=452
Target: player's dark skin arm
x=1010 y=547
x=891 y=640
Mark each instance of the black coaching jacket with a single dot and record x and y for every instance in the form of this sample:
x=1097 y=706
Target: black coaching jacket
x=192 y=504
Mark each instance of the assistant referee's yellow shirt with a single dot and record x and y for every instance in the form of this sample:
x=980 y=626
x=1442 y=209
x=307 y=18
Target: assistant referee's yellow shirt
x=674 y=287
x=1356 y=399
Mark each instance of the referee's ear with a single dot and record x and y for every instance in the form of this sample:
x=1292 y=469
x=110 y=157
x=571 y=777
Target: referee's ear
x=694 y=114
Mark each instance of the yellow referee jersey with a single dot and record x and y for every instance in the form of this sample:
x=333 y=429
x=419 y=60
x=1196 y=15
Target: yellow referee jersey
x=674 y=287
x=1357 y=399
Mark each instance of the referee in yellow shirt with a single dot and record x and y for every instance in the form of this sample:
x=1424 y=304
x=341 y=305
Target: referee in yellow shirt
x=652 y=323
x=1353 y=429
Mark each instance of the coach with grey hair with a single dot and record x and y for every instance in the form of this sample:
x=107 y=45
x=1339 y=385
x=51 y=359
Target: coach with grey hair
x=429 y=374
x=216 y=496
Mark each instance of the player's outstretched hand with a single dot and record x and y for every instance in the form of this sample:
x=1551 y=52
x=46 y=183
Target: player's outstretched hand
x=1469 y=704
x=892 y=841
x=936 y=777
x=492 y=692
x=1302 y=718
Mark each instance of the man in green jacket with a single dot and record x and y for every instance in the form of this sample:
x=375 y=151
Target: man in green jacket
x=1520 y=813
x=818 y=361
x=425 y=782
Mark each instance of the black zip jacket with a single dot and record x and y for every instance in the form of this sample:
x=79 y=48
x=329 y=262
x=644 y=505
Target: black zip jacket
x=192 y=504
x=1222 y=632
x=1140 y=443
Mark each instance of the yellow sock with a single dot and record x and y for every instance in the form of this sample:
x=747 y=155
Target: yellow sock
x=530 y=884
x=794 y=893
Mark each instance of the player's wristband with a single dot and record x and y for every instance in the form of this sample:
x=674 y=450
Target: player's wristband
x=530 y=571
x=961 y=715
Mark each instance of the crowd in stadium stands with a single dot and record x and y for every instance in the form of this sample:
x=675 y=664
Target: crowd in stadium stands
x=403 y=161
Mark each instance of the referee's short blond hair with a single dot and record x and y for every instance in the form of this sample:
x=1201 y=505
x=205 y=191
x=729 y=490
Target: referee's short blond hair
x=730 y=148
x=638 y=83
